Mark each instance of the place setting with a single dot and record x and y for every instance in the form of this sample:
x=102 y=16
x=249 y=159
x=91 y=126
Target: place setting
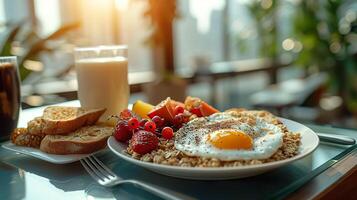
x=187 y=140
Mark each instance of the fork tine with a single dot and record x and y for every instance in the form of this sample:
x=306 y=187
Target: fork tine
x=90 y=171
x=103 y=166
x=97 y=169
x=94 y=169
x=99 y=165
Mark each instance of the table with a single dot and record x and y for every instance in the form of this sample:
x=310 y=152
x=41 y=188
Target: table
x=24 y=177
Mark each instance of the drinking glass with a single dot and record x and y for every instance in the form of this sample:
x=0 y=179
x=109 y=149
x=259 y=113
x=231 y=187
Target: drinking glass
x=9 y=96
x=102 y=75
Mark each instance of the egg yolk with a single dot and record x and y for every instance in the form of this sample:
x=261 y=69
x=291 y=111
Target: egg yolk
x=230 y=139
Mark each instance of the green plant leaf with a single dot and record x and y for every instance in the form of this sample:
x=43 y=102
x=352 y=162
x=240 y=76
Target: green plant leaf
x=39 y=46
x=5 y=49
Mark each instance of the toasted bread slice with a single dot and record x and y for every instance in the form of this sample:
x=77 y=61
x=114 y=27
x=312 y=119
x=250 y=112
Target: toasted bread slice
x=21 y=137
x=57 y=120
x=82 y=141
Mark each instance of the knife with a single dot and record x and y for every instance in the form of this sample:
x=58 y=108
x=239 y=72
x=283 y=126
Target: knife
x=336 y=139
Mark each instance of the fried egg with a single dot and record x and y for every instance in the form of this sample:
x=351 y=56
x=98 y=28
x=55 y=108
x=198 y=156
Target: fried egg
x=226 y=136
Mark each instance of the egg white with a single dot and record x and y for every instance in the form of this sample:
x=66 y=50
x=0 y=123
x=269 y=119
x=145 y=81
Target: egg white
x=267 y=138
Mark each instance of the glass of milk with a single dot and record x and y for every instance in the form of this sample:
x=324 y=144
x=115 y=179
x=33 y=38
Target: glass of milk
x=102 y=75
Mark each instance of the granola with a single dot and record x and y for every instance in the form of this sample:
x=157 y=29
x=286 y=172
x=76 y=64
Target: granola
x=167 y=154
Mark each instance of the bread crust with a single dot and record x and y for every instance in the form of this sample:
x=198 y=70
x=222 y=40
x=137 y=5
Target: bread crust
x=21 y=137
x=63 y=145
x=46 y=126
x=68 y=147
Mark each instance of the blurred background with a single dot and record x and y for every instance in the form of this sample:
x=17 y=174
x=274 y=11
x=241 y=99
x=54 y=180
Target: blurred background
x=296 y=58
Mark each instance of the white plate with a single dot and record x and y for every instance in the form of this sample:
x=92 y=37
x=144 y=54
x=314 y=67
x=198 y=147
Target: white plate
x=309 y=142
x=52 y=158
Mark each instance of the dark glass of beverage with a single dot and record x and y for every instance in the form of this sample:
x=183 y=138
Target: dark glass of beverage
x=9 y=96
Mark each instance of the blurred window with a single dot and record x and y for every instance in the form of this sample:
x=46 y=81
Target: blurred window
x=134 y=30
x=48 y=15
x=2 y=12
x=115 y=22
x=224 y=30
x=198 y=33
x=103 y=22
x=2 y=17
x=204 y=32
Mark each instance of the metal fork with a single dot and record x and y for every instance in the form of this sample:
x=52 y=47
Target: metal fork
x=104 y=176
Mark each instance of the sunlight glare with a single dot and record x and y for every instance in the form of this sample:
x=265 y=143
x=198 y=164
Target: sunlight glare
x=203 y=12
x=121 y=4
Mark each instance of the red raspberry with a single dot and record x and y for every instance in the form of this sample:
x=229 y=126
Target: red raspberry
x=178 y=110
x=167 y=133
x=178 y=119
x=150 y=126
x=144 y=142
x=133 y=123
x=158 y=121
x=122 y=132
x=125 y=114
x=196 y=111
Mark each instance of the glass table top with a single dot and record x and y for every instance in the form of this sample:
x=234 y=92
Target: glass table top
x=24 y=177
